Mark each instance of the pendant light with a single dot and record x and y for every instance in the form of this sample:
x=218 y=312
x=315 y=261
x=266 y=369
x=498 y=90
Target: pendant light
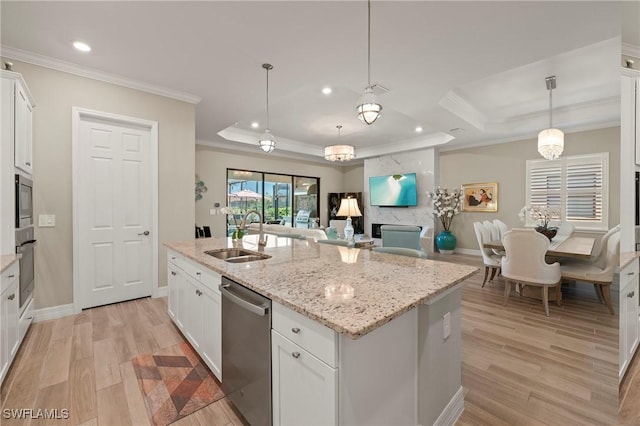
x=551 y=141
x=267 y=142
x=339 y=152
x=368 y=108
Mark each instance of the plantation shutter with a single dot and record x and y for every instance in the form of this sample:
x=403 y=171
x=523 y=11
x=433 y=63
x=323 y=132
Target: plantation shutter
x=577 y=184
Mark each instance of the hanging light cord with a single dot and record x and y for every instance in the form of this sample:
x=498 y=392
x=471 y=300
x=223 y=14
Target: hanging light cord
x=550 y=109
x=268 y=127
x=369 y=43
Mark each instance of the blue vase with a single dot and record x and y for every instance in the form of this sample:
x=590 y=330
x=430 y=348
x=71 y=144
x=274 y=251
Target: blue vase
x=446 y=242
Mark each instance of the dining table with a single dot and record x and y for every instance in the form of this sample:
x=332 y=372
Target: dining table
x=567 y=247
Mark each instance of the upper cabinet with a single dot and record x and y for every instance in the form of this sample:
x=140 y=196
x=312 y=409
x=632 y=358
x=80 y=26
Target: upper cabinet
x=19 y=118
x=629 y=149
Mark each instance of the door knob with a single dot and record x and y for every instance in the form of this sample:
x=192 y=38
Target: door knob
x=144 y=233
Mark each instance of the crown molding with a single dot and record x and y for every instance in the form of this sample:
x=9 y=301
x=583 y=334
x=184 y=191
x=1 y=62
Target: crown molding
x=457 y=105
x=631 y=50
x=71 y=68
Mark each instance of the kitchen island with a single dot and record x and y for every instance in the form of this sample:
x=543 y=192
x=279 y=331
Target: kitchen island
x=394 y=324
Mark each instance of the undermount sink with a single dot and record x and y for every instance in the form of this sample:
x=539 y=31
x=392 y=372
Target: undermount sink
x=234 y=255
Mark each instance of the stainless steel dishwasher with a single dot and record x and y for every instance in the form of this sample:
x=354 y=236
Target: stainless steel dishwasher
x=246 y=351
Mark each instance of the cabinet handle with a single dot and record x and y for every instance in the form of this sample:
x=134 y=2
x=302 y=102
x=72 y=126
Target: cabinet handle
x=173 y=258
x=631 y=294
x=296 y=355
x=198 y=273
x=174 y=273
x=198 y=292
x=295 y=330
x=11 y=276
x=631 y=273
x=11 y=297
x=27 y=163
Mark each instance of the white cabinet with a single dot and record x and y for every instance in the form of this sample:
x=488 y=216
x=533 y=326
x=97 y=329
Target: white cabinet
x=304 y=388
x=194 y=305
x=23 y=130
x=629 y=149
x=629 y=332
x=9 y=333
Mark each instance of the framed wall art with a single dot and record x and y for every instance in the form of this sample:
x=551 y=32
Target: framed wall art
x=480 y=197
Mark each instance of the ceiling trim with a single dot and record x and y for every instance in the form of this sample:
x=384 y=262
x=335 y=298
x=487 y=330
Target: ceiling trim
x=457 y=105
x=630 y=50
x=71 y=68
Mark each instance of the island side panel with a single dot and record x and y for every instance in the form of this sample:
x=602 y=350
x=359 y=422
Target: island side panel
x=378 y=374
x=440 y=361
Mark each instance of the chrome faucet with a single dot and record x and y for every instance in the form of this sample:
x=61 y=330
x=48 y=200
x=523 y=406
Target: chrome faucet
x=262 y=241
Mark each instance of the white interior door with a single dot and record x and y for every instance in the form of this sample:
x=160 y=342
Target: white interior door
x=114 y=230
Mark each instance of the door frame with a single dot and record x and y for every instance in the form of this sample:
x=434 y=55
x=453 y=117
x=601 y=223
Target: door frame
x=77 y=115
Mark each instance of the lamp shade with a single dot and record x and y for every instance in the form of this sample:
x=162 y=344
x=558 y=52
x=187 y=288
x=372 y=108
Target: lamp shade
x=339 y=153
x=349 y=207
x=368 y=108
x=551 y=143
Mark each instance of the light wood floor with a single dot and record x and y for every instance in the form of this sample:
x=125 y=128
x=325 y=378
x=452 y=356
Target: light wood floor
x=629 y=413
x=519 y=366
x=83 y=363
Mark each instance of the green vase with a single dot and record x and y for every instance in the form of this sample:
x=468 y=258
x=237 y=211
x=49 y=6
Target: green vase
x=446 y=242
x=237 y=234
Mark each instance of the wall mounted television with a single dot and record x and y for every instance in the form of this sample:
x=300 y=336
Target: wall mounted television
x=397 y=190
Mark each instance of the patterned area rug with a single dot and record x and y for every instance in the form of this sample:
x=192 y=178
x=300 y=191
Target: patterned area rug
x=175 y=383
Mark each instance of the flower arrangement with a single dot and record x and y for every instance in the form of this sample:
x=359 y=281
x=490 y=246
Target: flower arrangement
x=237 y=233
x=543 y=214
x=446 y=204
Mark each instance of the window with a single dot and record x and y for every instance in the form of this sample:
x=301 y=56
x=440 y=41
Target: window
x=284 y=199
x=577 y=184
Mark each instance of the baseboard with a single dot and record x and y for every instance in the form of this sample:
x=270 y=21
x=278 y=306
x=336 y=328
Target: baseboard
x=162 y=291
x=452 y=411
x=471 y=252
x=53 y=312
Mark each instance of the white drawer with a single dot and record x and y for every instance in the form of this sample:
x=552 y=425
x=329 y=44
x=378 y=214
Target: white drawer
x=25 y=320
x=9 y=275
x=209 y=278
x=173 y=257
x=629 y=273
x=319 y=340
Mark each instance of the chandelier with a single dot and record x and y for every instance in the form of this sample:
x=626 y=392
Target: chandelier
x=551 y=141
x=339 y=152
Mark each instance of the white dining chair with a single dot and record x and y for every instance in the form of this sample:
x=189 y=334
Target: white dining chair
x=600 y=247
x=495 y=236
x=599 y=273
x=491 y=261
x=524 y=264
x=502 y=227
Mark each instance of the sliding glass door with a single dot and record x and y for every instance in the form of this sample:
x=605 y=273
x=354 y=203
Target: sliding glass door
x=282 y=199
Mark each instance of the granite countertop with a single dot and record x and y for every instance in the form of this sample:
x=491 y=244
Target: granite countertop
x=7 y=260
x=626 y=257
x=307 y=277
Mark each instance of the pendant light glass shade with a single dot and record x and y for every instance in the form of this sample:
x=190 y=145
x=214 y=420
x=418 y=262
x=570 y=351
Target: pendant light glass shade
x=368 y=108
x=551 y=141
x=266 y=142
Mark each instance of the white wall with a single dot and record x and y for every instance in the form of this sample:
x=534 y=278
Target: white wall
x=424 y=164
x=505 y=164
x=212 y=164
x=55 y=93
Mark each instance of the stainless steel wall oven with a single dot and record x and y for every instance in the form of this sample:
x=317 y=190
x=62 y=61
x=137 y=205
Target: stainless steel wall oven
x=25 y=240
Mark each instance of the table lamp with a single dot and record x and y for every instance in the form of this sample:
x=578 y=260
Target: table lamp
x=348 y=207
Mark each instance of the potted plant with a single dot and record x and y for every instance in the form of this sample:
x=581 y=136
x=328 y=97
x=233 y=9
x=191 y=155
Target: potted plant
x=542 y=214
x=446 y=204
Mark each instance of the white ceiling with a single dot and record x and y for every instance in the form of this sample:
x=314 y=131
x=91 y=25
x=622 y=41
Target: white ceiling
x=476 y=66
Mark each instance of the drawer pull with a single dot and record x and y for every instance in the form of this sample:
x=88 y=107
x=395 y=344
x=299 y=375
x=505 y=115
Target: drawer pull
x=12 y=296
x=296 y=355
x=198 y=292
x=295 y=330
x=173 y=258
x=28 y=163
x=198 y=273
x=11 y=276
x=174 y=273
x=633 y=293
x=631 y=273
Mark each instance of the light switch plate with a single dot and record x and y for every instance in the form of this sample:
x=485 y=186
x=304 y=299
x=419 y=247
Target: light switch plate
x=47 y=220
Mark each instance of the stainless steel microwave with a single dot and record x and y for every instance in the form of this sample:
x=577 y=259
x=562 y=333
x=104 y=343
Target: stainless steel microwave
x=24 y=201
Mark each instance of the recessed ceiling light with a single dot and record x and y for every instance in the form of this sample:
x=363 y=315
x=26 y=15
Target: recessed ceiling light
x=83 y=47
x=418 y=129
x=327 y=90
x=255 y=124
